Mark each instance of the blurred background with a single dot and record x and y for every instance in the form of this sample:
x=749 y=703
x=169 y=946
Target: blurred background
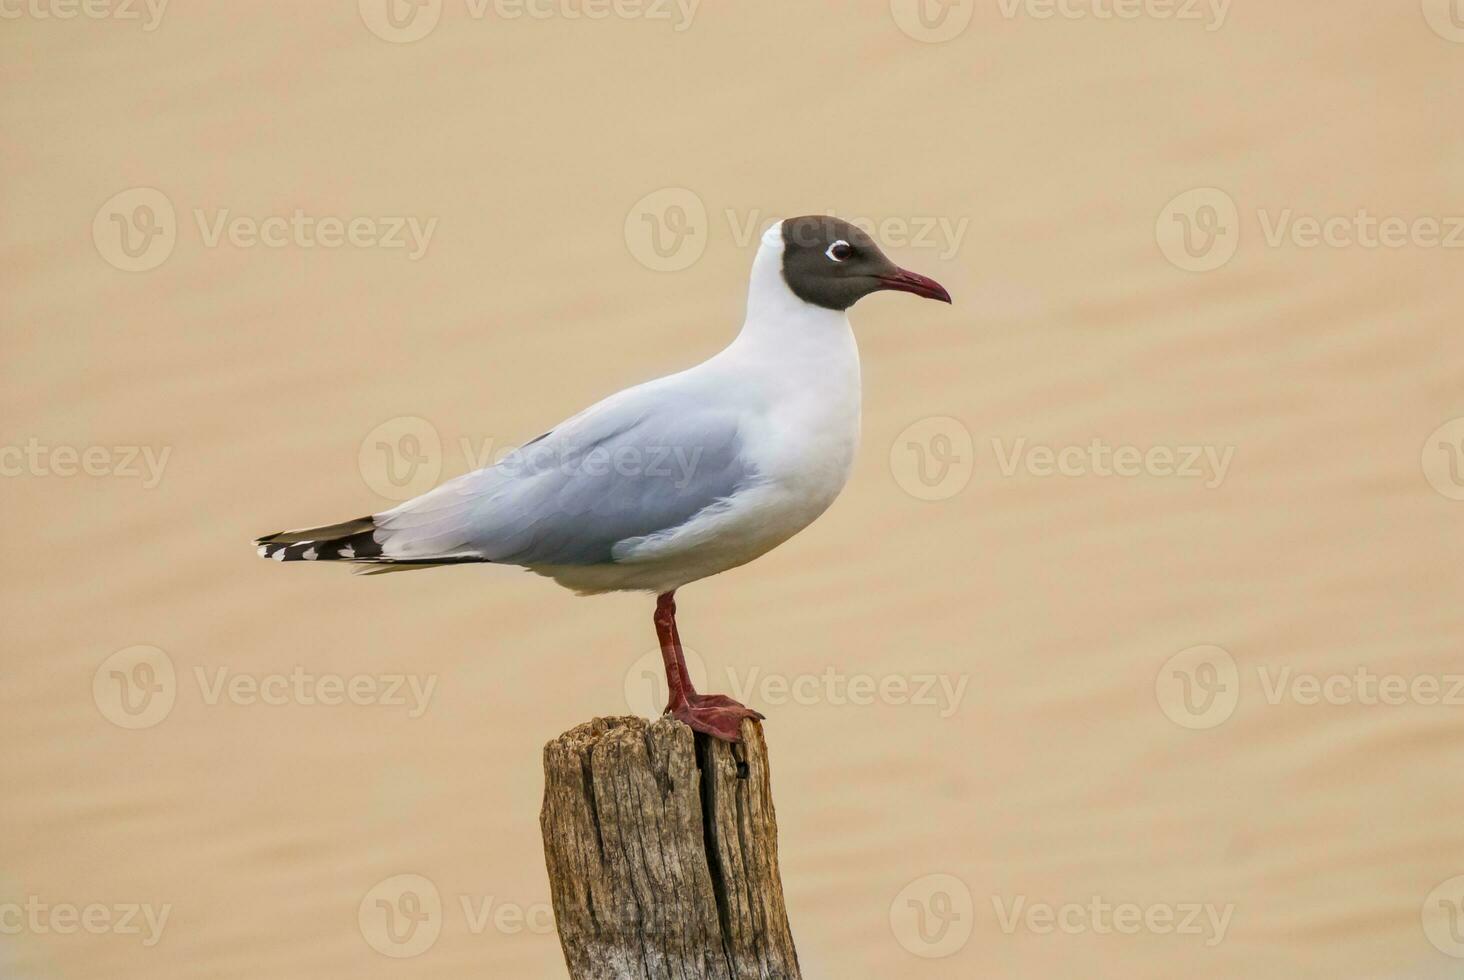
x=1131 y=650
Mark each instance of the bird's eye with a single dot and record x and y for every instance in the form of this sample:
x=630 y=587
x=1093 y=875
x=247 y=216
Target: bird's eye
x=839 y=251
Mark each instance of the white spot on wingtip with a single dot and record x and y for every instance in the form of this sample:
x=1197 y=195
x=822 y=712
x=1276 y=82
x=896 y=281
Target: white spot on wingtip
x=349 y=551
x=309 y=554
x=279 y=555
x=264 y=551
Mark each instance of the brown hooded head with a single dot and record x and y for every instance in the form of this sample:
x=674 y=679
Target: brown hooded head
x=831 y=263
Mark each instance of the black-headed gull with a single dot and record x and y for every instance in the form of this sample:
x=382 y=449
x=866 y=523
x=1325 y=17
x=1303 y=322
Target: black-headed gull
x=678 y=478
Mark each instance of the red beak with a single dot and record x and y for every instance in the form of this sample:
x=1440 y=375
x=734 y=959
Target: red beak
x=913 y=282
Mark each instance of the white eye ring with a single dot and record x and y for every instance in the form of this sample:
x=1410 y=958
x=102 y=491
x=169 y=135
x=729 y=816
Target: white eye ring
x=830 y=253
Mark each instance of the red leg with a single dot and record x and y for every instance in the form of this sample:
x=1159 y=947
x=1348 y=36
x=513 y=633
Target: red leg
x=714 y=714
x=708 y=700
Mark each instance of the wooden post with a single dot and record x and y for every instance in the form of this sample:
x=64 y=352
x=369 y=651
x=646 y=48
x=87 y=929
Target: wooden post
x=662 y=848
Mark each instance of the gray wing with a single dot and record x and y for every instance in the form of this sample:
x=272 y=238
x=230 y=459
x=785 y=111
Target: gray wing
x=640 y=462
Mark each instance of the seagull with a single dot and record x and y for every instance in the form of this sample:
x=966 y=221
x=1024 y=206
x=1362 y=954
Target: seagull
x=674 y=480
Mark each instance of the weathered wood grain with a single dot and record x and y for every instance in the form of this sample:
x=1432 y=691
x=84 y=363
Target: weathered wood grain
x=662 y=850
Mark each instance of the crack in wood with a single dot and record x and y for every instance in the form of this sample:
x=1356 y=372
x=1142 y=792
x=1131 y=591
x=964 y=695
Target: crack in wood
x=661 y=848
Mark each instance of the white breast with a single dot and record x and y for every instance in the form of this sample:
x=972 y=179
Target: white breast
x=802 y=364
x=793 y=373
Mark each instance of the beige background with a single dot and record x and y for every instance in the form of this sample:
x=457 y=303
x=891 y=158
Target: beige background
x=1056 y=599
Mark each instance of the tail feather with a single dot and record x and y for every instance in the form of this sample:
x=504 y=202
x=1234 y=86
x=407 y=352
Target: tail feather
x=347 y=541
x=329 y=532
x=352 y=541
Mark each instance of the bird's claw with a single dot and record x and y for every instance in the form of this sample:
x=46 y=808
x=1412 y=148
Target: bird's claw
x=713 y=714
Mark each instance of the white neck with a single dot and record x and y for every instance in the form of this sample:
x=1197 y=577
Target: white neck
x=777 y=318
